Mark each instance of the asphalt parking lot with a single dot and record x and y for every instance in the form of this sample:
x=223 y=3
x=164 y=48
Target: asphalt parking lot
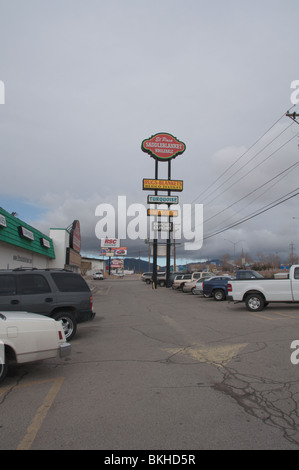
x=160 y=369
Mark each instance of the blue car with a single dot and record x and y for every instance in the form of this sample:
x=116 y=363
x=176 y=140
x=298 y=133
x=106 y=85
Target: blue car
x=216 y=287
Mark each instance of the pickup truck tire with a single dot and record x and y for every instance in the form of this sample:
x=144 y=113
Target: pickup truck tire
x=219 y=294
x=254 y=302
x=68 y=322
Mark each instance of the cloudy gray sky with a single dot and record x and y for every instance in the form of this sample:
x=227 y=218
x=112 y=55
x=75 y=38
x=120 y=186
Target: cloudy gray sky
x=87 y=81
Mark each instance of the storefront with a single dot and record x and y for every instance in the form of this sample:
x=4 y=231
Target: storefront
x=67 y=246
x=22 y=245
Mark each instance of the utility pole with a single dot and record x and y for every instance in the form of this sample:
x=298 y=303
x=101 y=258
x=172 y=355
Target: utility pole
x=292 y=252
x=293 y=116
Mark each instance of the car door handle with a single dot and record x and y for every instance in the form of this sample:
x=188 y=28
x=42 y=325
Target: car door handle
x=14 y=302
x=48 y=299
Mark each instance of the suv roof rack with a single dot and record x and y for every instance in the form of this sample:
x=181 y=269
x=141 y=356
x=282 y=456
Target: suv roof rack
x=24 y=269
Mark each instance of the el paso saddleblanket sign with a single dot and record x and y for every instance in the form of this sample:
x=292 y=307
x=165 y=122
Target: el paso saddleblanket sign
x=163 y=146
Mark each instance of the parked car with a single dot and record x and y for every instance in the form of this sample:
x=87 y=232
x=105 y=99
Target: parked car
x=161 y=279
x=188 y=286
x=195 y=287
x=216 y=287
x=179 y=280
x=60 y=294
x=147 y=277
x=28 y=337
x=99 y=276
x=172 y=277
x=120 y=274
x=179 y=283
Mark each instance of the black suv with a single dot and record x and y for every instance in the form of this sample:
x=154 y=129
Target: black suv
x=60 y=294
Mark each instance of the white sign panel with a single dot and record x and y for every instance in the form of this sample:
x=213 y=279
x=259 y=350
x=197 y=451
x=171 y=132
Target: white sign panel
x=162 y=199
x=110 y=242
x=161 y=250
x=2 y=221
x=162 y=226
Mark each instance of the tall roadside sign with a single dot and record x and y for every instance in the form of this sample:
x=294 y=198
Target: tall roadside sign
x=163 y=147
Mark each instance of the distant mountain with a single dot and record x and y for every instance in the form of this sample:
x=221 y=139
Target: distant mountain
x=136 y=265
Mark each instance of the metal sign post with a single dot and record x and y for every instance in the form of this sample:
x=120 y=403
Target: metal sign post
x=162 y=147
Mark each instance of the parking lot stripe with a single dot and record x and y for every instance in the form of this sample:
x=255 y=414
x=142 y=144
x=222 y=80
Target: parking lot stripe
x=38 y=419
x=284 y=315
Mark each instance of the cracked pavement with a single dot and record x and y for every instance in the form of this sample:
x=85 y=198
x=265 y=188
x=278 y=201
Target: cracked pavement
x=160 y=369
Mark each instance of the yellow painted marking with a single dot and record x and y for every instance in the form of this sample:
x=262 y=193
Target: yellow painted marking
x=217 y=355
x=283 y=315
x=261 y=316
x=39 y=417
x=7 y=389
x=272 y=313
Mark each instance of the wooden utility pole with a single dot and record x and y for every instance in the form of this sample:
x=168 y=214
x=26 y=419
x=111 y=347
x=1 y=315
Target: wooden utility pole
x=293 y=116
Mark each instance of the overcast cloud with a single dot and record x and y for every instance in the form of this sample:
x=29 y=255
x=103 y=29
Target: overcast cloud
x=87 y=81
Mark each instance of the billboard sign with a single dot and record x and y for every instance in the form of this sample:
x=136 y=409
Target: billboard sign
x=121 y=251
x=162 y=226
x=163 y=146
x=110 y=243
x=75 y=236
x=163 y=185
x=162 y=199
x=162 y=212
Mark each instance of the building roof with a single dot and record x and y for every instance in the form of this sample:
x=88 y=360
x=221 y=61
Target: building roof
x=16 y=232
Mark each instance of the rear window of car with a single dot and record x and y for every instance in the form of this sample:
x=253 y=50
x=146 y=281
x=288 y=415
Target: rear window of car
x=69 y=282
x=7 y=285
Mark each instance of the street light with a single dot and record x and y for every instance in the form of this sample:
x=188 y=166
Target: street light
x=234 y=243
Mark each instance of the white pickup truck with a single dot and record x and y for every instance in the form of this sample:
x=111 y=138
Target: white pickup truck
x=258 y=293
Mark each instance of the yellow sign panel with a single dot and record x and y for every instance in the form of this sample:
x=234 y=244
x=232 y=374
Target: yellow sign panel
x=164 y=185
x=162 y=212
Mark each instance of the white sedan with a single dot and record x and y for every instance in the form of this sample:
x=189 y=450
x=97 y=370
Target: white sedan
x=98 y=276
x=28 y=337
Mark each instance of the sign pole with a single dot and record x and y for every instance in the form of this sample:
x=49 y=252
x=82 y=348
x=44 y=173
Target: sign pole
x=162 y=147
x=155 y=243
x=168 y=239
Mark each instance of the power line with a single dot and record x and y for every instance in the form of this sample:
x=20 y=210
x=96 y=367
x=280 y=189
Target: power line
x=284 y=172
x=251 y=216
x=267 y=158
x=241 y=156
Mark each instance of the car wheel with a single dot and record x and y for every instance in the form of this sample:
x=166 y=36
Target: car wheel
x=254 y=302
x=68 y=322
x=148 y=281
x=162 y=283
x=206 y=296
x=219 y=295
x=3 y=370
